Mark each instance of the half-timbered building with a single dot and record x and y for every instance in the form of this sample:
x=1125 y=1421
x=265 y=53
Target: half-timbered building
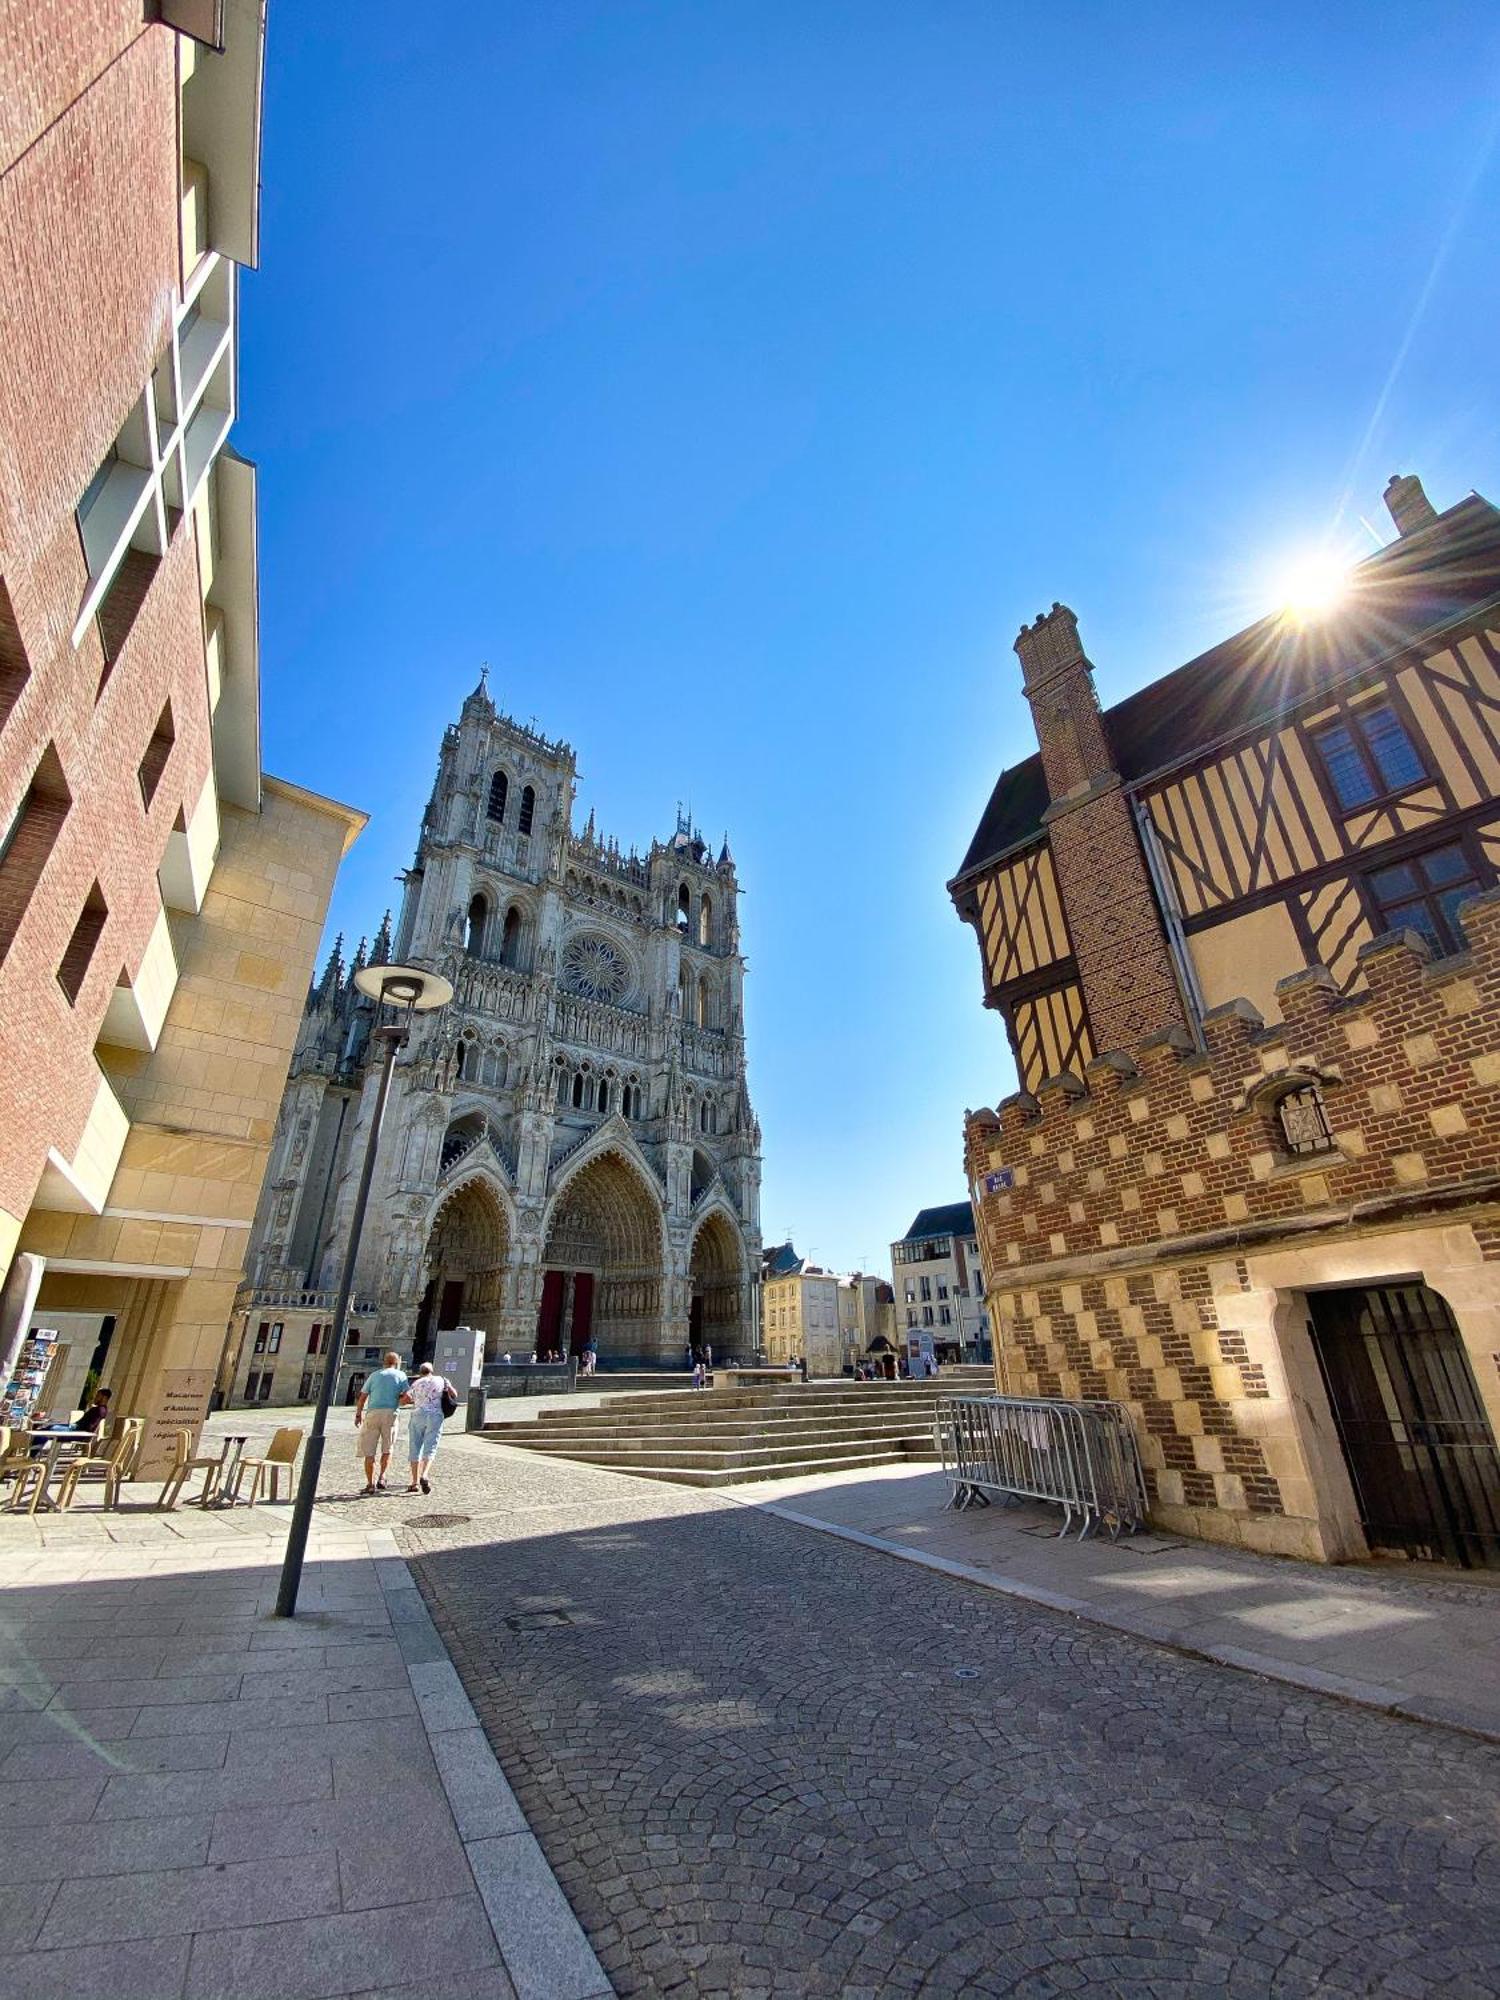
x=1253 y=826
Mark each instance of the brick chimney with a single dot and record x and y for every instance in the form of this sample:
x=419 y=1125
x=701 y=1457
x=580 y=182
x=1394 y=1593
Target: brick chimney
x=1120 y=943
x=1409 y=506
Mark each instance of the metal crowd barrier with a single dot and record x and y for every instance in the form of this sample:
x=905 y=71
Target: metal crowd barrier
x=1080 y=1456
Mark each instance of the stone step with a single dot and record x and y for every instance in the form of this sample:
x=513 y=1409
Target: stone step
x=607 y=1423
x=698 y=1441
x=626 y=1457
x=676 y=1475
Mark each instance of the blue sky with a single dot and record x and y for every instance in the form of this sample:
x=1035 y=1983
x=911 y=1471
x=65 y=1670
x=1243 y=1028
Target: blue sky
x=735 y=379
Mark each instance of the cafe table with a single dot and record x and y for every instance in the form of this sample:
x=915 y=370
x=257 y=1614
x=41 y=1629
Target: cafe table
x=50 y=1447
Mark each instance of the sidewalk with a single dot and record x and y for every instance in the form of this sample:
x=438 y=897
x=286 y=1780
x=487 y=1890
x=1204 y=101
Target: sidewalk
x=1418 y=1642
x=201 y=1800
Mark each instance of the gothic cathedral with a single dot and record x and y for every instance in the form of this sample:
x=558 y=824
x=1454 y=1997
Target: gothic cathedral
x=569 y=1151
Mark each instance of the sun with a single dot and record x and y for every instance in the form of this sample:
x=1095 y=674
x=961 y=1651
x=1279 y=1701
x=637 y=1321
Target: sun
x=1312 y=585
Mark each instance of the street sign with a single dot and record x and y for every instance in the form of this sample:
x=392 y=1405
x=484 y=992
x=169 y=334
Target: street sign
x=999 y=1180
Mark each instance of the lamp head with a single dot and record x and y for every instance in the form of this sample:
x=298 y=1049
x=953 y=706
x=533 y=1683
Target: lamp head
x=405 y=986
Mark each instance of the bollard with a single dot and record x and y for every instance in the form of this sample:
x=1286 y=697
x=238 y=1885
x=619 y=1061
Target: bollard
x=474 y=1417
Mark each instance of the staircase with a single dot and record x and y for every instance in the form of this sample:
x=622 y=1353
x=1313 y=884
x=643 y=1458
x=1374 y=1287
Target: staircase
x=723 y=1436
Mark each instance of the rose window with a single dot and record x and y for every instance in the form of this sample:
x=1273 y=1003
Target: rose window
x=595 y=967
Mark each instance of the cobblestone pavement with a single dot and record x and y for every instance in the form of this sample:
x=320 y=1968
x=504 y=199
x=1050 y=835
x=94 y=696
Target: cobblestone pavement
x=765 y=1762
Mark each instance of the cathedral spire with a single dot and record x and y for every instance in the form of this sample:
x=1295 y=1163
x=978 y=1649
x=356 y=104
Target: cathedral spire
x=726 y=859
x=333 y=971
x=381 y=955
x=479 y=702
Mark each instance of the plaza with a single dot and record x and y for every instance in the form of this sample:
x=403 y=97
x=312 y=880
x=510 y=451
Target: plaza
x=819 y=1738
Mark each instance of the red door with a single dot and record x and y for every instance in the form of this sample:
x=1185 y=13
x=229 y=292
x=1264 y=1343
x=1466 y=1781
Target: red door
x=549 y=1317
x=583 y=1310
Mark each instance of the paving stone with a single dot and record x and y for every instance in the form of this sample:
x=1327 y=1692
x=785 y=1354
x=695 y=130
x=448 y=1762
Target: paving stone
x=426 y=1943
x=163 y=1902
x=151 y=1969
x=209 y=1791
x=482 y=1801
x=546 y=1953
x=23 y=1905
x=111 y=1848
x=72 y=1758
x=345 y=1826
x=746 y=1752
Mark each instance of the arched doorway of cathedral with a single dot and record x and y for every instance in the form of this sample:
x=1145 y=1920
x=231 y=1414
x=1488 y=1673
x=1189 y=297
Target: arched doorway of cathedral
x=602 y=1267
x=468 y=1248
x=716 y=1271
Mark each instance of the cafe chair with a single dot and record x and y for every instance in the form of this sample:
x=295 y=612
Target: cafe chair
x=183 y=1466
x=28 y=1485
x=282 y=1451
x=108 y=1467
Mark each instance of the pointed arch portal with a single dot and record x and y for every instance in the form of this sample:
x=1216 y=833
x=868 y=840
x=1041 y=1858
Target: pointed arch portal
x=716 y=1273
x=602 y=1270
x=468 y=1248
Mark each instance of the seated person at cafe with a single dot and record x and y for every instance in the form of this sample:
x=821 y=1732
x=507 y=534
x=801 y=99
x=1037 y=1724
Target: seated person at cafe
x=96 y=1412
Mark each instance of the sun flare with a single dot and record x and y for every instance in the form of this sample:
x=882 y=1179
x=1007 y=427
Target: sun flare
x=1313 y=585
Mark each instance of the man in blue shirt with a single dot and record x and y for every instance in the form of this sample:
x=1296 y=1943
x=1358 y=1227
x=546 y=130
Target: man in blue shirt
x=375 y=1418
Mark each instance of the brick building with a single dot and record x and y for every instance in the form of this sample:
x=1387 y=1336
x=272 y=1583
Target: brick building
x=1237 y=927
x=160 y=902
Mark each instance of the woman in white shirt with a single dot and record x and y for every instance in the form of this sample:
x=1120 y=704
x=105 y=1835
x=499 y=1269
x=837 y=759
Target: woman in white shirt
x=425 y=1425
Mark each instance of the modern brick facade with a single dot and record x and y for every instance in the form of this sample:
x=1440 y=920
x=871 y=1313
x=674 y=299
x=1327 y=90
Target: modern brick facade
x=159 y=907
x=1243 y=933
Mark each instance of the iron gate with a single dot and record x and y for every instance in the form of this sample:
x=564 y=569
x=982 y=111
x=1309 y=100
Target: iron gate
x=1418 y=1445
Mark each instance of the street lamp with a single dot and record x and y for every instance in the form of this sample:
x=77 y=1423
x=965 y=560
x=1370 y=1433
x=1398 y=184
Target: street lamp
x=412 y=992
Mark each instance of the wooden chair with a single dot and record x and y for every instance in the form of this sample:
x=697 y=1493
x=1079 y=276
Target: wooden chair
x=282 y=1451
x=108 y=1467
x=184 y=1465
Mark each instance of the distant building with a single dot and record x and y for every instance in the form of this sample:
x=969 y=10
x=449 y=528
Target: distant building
x=938 y=1282
x=1241 y=929
x=570 y=1155
x=160 y=898
x=867 y=1317
x=800 y=1319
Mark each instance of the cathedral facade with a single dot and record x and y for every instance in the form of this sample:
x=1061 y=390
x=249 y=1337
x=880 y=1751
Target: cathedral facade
x=569 y=1151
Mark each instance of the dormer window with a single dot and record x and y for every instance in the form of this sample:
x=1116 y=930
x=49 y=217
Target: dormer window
x=1302 y=1122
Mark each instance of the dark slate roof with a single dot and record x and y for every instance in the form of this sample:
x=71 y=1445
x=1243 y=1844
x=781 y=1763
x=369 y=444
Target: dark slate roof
x=1416 y=585
x=957 y=1219
x=781 y=1261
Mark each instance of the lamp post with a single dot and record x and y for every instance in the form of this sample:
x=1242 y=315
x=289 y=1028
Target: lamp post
x=413 y=992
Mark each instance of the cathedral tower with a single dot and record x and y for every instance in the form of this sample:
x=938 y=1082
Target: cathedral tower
x=570 y=1150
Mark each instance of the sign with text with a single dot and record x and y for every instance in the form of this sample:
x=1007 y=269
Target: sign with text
x=181 y=1405
x=1001 y=1179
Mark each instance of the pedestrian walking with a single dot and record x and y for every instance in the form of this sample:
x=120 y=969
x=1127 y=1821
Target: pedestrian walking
x=697 y=1369
x=380 y=1396
x=432 y=1398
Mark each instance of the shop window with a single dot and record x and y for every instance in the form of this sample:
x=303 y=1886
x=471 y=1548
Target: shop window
x=1368 y=756
x=79 y=955
x=1423 y=895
